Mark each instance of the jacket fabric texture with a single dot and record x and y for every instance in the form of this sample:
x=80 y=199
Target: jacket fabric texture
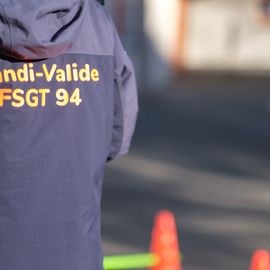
x=68 y=104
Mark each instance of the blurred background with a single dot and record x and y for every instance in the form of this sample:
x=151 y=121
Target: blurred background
x=202 y=143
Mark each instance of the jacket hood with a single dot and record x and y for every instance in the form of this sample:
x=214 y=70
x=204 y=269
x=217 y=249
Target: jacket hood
x=37 y=29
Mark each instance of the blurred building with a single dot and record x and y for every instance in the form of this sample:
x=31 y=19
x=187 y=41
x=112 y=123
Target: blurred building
x=194 y=35
x=199 y=34
x=211 y=34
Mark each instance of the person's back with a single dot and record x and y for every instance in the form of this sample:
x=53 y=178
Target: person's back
x=68 y=104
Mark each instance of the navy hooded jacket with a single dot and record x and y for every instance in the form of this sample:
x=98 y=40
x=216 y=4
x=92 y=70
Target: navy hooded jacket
x=68 y=103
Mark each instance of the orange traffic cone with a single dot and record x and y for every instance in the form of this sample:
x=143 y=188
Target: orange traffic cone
x=164 y=242
x=260 y=260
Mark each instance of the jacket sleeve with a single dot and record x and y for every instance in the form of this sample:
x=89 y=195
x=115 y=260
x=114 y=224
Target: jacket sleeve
x=125 y=101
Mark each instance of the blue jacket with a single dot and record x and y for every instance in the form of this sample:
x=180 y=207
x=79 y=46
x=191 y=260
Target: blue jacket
x=68 y=103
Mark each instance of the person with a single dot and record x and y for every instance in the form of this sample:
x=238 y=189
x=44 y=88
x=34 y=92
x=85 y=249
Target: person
x=68 y=105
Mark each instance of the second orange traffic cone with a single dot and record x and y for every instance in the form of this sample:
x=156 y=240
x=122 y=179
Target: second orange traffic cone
x=164 y=242
x=260 y=260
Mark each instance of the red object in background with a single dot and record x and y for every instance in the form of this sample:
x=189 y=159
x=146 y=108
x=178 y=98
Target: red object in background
x=165 y=242
x=260 y=260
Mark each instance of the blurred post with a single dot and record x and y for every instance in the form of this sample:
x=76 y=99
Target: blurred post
x=178 y=53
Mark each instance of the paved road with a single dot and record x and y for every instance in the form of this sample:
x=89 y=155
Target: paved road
x=201 y=149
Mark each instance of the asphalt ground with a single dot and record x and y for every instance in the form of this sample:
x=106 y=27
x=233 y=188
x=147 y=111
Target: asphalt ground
x=202 y=150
